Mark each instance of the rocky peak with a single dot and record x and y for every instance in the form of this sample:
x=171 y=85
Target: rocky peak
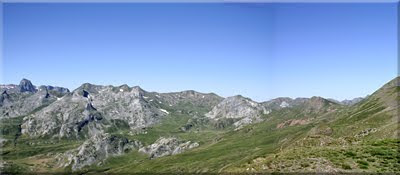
x=26 y=86
x=89 y=88
x=243 y=110
x=124 y=88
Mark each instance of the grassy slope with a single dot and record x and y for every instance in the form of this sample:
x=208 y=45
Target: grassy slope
x=215 y=153
x=219 y=150
x=23 y=154
x=344 y=148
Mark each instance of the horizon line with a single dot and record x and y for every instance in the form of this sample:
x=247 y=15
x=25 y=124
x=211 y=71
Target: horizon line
x=268 y=99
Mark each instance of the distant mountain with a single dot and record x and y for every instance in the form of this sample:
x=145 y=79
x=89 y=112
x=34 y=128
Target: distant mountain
x=19 y=100
x=123 y=129
x=242 y=111
x=349 y=102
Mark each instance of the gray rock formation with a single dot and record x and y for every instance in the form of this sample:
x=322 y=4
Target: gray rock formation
x=95 y=150
x=89 y=109
x=241 y=109
x=22 y=99
x=167 y=146
x=26 y=86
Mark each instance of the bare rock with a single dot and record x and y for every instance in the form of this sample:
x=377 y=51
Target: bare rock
x=95 y=150
x=167 y=146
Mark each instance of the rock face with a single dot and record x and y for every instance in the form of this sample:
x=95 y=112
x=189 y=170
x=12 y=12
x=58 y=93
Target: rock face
x=126 y=104
x=243 y=110
x=90 y=109
x=19 y=100
x=26 y=86
x=95 y=150
x=68 y=117
x=167 y=146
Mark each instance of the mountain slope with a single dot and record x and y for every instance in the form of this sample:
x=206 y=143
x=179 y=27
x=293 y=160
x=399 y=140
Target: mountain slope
x=360 y=138
x=18 y=100
x=122 y=129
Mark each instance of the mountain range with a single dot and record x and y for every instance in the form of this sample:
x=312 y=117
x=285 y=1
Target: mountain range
x=123 y=129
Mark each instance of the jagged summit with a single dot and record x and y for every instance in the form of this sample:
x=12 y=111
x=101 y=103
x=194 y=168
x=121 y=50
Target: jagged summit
x=26 y=86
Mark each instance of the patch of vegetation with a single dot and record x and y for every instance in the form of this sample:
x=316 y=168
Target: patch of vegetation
x=350 y=154
x=346 y=166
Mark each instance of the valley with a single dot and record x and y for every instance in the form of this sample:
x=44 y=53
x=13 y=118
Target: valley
x=120 y=129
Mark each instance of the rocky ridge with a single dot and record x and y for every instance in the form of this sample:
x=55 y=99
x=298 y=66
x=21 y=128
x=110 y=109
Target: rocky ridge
x=90 y=109
x=22 y=99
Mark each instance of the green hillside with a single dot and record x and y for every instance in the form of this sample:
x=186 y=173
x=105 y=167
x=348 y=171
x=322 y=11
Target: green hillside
x=335 y=138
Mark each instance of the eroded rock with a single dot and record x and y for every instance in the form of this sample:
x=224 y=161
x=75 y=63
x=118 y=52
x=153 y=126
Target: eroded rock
x=95 y=150
x=167 y=146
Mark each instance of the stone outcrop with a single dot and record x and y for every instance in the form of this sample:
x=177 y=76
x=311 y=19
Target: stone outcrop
x=26 y=86
x=167 y=146
x=243 y=110
x=22 y=99
x=89 y=109
x=95 y=150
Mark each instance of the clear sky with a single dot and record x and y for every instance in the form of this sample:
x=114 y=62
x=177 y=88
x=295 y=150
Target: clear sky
x=261 y=51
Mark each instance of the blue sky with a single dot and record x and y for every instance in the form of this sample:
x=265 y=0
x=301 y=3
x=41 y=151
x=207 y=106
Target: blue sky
x=261 y=51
